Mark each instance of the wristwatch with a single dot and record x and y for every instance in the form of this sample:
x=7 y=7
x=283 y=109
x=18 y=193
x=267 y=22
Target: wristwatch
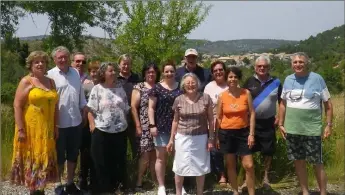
x=330 y=124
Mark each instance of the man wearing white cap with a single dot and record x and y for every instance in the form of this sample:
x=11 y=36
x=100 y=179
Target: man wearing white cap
x=191 y=57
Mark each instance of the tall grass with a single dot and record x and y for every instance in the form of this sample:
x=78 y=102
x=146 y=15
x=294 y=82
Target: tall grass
x=282 y=170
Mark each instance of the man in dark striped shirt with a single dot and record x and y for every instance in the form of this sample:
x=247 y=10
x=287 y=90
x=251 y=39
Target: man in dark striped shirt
x=265 y=90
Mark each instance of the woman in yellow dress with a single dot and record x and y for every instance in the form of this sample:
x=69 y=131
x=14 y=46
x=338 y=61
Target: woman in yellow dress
x=34 y=161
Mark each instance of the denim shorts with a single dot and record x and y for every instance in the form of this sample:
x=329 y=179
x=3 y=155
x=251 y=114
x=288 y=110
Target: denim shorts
x=68 y=144
x=161 y=140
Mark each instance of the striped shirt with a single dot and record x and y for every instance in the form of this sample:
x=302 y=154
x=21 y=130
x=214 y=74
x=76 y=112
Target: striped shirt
x=304 y=96
x=193 y=119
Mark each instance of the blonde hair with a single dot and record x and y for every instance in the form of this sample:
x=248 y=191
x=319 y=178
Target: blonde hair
x=34 y=55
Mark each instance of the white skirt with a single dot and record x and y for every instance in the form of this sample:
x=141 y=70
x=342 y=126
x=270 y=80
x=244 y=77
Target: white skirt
x=191 y=155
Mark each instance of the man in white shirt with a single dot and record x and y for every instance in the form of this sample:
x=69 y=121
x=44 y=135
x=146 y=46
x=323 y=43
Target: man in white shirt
x=71 y=102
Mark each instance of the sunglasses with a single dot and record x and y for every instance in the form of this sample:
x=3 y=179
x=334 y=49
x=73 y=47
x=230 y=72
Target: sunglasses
x=300 y=95
x=82 y=61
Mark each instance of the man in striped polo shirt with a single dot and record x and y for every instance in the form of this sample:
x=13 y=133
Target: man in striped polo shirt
x=265 y=90
x=300 y=121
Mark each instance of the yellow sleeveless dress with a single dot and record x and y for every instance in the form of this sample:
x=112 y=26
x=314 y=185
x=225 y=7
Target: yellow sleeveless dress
x=34 y=161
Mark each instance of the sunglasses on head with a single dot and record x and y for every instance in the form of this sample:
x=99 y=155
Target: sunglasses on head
x=82 y=61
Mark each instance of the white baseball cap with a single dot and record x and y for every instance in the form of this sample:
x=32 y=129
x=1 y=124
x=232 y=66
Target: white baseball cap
x=191 y=51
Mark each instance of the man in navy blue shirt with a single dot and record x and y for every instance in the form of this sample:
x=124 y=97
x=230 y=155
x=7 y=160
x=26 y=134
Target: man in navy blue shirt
x=191 y=57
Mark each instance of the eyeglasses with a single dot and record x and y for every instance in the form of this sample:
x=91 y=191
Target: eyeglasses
x=82 y=61
x=218 y=70
x=261 y=66
x=300 y=95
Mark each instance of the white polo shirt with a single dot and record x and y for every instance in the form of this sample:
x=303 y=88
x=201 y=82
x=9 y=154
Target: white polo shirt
x=71 y=96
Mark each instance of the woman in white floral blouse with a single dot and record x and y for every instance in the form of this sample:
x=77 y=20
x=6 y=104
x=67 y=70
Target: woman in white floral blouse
x=107 y=119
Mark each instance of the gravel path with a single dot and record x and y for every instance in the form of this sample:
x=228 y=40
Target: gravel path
x=334 y=189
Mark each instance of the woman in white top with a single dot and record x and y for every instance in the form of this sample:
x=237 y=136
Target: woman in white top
x=214 y=88
x=107 y=119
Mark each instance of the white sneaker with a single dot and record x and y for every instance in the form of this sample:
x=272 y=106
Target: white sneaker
x=161 y=190
x=184 y=191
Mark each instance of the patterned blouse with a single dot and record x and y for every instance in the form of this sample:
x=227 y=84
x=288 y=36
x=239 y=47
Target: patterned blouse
x=110 y=107
x=164 y=113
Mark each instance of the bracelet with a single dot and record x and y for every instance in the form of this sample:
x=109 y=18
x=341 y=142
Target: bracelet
x=21 y=130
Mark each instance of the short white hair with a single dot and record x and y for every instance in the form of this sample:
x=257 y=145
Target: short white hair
x=301 y=54
x=189 y=75
x=60 y=48
x=265 y=58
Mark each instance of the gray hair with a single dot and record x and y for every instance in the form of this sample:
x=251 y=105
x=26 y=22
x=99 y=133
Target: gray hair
x=265 y=58
x=60 y=48
x=189 y=75
x=124 y=57
x=103 y=67
x=301 y=54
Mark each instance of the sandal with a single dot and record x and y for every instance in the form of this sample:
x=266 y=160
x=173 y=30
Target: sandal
x=139 y=188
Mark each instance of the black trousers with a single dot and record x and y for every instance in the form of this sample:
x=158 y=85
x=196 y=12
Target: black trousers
x=86 y=164
x=108 y=151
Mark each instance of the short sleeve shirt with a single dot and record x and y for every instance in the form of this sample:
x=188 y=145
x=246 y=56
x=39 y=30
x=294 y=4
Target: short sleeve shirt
x=164 y=113
x=193 y=117
x=304 y=97
x=110 y=108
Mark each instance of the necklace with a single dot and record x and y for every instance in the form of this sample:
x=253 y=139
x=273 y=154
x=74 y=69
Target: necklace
x=233 y=105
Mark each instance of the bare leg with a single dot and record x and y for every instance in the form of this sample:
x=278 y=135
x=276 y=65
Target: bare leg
x=268 y=160
x=321 y=178
x=178 y=183
x=160 y=165
x=200 y=181
x=301 y=172
x=61 y=170
x=230 y=160
x=70 y=171
x=152 y=163
x=248 y=165
x=142 y=166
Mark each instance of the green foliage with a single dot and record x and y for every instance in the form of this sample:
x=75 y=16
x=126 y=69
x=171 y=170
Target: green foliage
x=156 y=30
x=8 y=91
x=334 y=79
x=246 y=61
x=10 y=13
x=69 y=19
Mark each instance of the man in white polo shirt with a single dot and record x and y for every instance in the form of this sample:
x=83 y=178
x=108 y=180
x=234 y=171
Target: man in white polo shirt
x=72 y=111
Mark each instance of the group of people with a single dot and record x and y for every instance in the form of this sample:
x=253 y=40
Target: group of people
x=201 y=117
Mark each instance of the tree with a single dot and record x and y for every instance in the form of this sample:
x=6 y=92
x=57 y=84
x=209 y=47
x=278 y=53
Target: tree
x=246 y=61
x=156 y=30
x=69 y=19
x=10 y=13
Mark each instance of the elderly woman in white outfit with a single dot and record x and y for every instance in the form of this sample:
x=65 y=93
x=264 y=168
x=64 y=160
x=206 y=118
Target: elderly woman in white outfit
x=191 y=133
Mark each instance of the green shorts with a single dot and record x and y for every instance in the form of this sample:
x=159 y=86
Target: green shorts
x=302 y=147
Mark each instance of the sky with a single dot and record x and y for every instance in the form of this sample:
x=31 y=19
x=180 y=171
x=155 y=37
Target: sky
x=231 y=20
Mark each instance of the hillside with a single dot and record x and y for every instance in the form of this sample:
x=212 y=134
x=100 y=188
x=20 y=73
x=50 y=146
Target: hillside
x=203 y=46
x=236 y=46
x=325 y=46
